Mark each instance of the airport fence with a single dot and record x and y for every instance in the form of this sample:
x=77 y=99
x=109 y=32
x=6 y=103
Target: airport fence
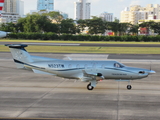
x=54 y=36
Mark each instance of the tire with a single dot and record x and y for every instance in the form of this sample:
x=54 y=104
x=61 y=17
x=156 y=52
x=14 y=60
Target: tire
x=129 y=87
x=89 y=87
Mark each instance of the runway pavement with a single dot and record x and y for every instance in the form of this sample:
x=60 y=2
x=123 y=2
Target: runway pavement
x=24 y=94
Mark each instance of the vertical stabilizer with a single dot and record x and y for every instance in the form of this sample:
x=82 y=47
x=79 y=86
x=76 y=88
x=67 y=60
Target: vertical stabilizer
x=19 y=54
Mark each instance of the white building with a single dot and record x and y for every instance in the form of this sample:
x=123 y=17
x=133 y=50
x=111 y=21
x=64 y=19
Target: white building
x=82 y=10
x=107 y=16
x=20 y=7
x=9 y=17
x=14 y=6
x=135 y=13
x=12 y=11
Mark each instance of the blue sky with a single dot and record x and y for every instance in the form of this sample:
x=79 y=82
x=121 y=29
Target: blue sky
x=97 y=6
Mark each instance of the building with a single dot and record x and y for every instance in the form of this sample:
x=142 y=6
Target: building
x=107 y=16
x=45 y=5
x=147 y=31
x=1 y=5
x=65 y=15
x=135 y=13
x=9 y=17
x=14 y=6
x=82 y=10
x=12 y=11
x=20 y=7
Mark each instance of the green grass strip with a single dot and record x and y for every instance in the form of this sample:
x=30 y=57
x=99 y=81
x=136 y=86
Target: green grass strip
x=59 y=41
x=80 y=49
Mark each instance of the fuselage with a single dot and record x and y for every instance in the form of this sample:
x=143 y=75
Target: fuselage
x=74 y=69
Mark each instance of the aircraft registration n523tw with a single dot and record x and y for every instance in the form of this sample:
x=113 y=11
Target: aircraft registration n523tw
x=87 y=71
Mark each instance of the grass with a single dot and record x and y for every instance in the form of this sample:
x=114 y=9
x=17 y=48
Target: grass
x=60 y=41
x=80 y=49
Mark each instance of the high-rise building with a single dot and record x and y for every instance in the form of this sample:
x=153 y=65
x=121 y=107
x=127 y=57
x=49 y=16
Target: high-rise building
x=107 y=16
x=14 y=6
x=45 y=5
x=20 y=7
x=12 y=11
x=1 y=5
x=82 y=10
x=135 y=13
x=10 y=6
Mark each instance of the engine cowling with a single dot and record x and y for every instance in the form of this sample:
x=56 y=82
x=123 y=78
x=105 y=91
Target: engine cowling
x=99 y=77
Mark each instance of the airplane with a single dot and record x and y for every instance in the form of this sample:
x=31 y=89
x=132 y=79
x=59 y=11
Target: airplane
x=3 y=34
x=87 y=71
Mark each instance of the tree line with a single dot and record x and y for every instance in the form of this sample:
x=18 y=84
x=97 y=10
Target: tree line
x=54 y=22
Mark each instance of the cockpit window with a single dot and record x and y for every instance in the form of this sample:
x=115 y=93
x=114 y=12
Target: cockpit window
x=118 y=65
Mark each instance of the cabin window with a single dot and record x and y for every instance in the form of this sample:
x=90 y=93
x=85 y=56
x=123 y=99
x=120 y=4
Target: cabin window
x=103 y=66
x=78 y=66
x=118 y=65
x=94 y=66
x=69 y=66
x=85 y=66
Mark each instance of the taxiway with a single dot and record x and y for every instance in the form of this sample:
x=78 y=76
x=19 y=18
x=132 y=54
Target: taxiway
x=24 y=94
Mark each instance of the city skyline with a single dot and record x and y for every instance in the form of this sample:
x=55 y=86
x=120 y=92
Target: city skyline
x=97 y=6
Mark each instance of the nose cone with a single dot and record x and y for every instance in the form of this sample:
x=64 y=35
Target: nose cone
x=152 y=72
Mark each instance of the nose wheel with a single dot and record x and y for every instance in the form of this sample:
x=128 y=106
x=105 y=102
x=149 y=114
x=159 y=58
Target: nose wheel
x=129 y=87
x=89 y=87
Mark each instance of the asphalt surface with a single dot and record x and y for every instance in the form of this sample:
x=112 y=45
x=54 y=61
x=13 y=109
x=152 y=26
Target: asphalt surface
x=84 y=44
x=26 y=95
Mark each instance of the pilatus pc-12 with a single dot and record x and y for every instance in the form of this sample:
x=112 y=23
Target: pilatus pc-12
x=87 y=71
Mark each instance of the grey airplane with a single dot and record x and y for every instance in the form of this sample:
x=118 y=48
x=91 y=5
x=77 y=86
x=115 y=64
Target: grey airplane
x=3 y=34
x=87 y=71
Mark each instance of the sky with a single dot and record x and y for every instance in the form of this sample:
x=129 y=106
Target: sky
x=97 y=6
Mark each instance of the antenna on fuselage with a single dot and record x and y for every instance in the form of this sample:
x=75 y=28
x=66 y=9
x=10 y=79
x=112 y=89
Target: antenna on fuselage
x=150 y=65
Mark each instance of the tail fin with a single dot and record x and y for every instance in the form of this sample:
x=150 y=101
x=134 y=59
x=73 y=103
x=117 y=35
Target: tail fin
x=19 y=54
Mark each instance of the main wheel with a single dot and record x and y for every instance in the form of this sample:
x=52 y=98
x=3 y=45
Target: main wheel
x=129 y=87
x=89 y=87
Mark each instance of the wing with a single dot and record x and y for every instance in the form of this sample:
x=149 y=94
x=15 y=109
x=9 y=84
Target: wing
x=92 y=77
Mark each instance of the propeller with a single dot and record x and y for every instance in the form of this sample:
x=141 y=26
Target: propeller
x=150 y=65
x=151 y=71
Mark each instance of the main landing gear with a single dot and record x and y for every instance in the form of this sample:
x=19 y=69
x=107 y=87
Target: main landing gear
x=89 y=87
x=129 y=87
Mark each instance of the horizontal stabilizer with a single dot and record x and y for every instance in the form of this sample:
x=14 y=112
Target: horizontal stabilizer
x=16 y=45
